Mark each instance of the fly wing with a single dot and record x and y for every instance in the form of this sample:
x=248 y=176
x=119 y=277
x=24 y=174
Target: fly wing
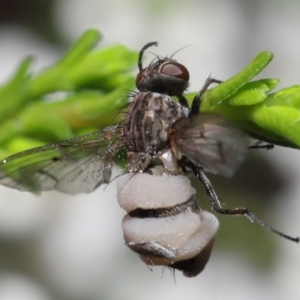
x=211 y=142
x=76 y=165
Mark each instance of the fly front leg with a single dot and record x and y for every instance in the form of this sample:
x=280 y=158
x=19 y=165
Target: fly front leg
x=198 y=98
x=240 y=211
x=182 y=100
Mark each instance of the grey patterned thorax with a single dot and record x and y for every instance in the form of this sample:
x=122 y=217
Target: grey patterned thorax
x=145 y=128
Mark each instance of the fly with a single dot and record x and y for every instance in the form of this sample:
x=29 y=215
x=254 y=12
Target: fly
x=157 y=132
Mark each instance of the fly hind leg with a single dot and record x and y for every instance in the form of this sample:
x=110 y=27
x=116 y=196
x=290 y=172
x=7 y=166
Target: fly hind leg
x=216 y=204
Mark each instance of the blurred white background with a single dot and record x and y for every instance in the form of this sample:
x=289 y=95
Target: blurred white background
x=61 y=247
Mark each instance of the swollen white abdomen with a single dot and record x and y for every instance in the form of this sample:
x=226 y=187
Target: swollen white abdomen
x=164 y=223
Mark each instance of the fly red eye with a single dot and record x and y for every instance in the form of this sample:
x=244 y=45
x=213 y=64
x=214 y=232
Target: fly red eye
x=175 y=69
x=163 y=76
x=139 y=77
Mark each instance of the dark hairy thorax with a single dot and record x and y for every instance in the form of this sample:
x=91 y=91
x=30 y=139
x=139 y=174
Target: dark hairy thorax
x=145 y=128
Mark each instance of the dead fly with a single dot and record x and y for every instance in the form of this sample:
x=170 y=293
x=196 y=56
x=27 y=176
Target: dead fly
x=157 y=132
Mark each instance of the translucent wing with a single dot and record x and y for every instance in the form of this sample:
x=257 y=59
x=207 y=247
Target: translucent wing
x=211 y=142
x=76 y=165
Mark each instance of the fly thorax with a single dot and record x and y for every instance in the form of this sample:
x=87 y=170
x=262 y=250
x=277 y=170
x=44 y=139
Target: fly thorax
x=138 y=161
x=146 y=125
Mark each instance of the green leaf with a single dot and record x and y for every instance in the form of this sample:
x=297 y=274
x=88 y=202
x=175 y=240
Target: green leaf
x=82 y=46
x=82 y=67
x=227 y=88
x=270 y=117
x=283 y=121
x=13 y=93
x=95 y=82
x=79 y=93
x=252 y=92
x=286 y=97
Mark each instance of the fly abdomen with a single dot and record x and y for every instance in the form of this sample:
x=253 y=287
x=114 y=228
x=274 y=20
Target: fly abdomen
x=164 y=224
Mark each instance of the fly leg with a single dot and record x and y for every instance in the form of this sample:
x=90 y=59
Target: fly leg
x=182 y=100
x=259 y=145
x=240 y=211
x=197 y=100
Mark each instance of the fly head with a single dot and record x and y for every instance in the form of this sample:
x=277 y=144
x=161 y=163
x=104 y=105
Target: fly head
x=163 y=75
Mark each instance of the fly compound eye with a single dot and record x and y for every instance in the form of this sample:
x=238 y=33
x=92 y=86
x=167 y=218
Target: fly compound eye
x=139 y=78
x=164 y=224
x=175 y=69
x=164 y=76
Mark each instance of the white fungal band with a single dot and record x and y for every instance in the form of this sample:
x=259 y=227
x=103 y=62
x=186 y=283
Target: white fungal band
x=164 y=223
x=184 y=235
x=151 y=192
